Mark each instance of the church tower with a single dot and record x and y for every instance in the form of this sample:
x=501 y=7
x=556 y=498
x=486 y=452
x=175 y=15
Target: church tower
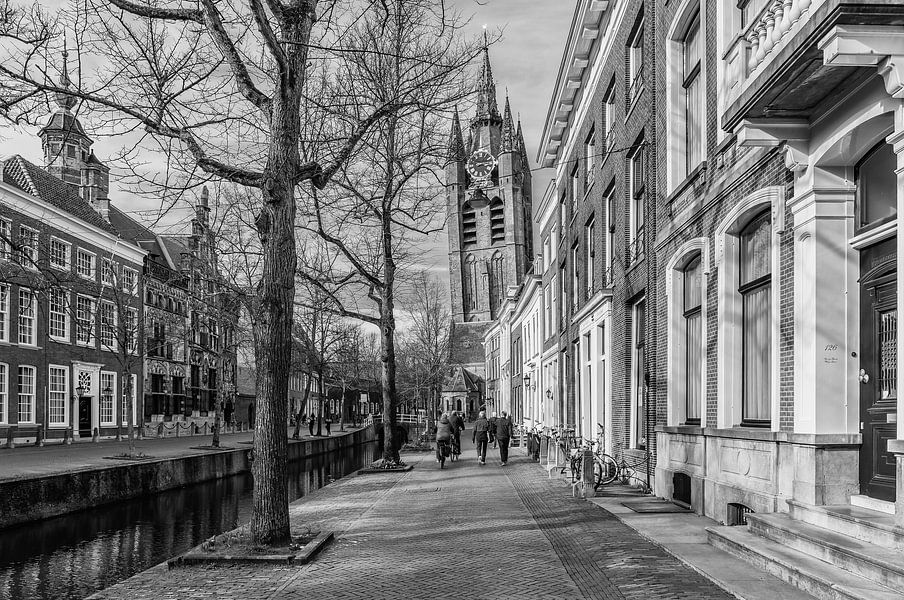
x=67 y=151
x=488 y=193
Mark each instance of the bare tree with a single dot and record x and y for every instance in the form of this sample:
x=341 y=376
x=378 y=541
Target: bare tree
x=426 y=342
x=223 y=91
x=389 y=195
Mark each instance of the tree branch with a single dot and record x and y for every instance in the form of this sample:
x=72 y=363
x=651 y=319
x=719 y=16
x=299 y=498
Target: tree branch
x=260 y=17
x=153 y=12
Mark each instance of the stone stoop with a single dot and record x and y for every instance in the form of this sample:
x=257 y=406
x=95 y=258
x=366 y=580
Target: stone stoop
x=830 y=552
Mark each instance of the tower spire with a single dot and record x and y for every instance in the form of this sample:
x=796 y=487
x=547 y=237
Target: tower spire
x=456 y=143
x=65 y=101
x=486 y=90
x=521 y=146
x=508 y=128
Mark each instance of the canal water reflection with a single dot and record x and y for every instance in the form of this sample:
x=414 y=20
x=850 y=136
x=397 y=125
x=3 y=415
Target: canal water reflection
x=73 y=556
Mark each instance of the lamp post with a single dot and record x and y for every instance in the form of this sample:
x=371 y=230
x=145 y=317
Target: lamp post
x=79 y=392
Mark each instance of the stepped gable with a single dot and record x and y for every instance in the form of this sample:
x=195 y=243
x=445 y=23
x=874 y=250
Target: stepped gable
x=34 y=180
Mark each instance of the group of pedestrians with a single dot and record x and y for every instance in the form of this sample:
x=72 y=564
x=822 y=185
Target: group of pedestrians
x=498 y=430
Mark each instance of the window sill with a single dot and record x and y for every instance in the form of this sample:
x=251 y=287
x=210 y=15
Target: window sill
x=699 y=172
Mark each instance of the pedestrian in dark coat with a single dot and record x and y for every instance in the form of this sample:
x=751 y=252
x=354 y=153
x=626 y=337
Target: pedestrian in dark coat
x=327 y=422
x=311 y=423
x=504 y=432
x=493 y=429
x=480 y=436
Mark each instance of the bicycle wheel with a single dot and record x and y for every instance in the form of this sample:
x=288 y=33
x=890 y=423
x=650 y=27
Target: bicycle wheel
x=605 y=470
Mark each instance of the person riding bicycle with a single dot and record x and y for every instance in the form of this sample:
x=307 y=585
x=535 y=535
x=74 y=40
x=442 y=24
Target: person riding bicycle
x=443 y=439
x=458 y=426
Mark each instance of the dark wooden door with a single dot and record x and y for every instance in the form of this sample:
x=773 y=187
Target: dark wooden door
x=878 y=369
x=84 y=416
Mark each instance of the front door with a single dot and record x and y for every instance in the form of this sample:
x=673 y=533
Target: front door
x=84 y=416
x=878 y=369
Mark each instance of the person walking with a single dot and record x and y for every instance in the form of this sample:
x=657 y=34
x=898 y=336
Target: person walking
x=327 y=422
x=458 y=426
x=443 y=440
x=504 y=431
x=480 y=436
x=493 y=429
x=311 y=424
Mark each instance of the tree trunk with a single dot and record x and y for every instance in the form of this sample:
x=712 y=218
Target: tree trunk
x=218 y=403
x=342 y=408
x=319 y=403
x=130 y=413
x=302 y=408
x=273 y=355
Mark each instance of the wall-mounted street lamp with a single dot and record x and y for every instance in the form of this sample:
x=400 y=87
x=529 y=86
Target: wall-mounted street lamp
x=80 y=391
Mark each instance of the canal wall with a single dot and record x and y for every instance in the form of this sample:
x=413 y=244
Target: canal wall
x=35 y=498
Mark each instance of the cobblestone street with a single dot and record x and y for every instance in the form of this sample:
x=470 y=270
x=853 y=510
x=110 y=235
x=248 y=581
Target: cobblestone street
x=467 y=531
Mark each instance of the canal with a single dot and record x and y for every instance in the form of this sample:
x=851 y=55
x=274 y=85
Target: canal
x=73 y=556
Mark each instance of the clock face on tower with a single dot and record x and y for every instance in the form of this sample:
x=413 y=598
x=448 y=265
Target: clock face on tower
x=481 y=164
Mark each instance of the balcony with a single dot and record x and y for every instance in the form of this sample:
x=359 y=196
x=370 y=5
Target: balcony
x=792 y=54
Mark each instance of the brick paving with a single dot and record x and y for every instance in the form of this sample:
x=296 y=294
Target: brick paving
x=467 y=531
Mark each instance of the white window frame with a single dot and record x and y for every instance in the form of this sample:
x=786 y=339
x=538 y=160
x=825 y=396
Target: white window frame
x=127 y=287
x=64 y=370
x=590 y=261
x=676 y=339
x=92 y=334
x=677 y=169
x=4 y=393
x=63 y=312
x=554 y=326
x=609 y=117
x=636 y=382
x=28 y=252
x=26 y=397
x=123 y=404
x=635 y=52
x=4 y=312
x=729 y=364
x=131 y=329
x=30 y=316
x=92 y=263
x=6 y=248
x=107 y=272
x=107 y=378
x=589 y=159
x=108 y=327
x=66 y=252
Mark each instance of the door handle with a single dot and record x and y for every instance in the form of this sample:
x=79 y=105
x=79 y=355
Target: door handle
x=863 y=376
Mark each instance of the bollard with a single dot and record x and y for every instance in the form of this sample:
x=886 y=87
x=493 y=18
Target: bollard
x=39 y=439
x=67 y=436
x=11 y=437
x=176 y=423
x=587 y=474
x=160 y=430
x=95 y=436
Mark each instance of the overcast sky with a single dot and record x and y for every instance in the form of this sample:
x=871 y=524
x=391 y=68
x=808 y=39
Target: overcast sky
x=525 y=61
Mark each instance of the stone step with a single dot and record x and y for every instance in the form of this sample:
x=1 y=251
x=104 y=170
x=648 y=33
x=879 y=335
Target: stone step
x=860 y=523
x=819 y=579
x=877 y=563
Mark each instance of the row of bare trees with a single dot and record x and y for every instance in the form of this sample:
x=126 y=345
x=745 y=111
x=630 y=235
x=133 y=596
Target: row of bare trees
x=328 y=116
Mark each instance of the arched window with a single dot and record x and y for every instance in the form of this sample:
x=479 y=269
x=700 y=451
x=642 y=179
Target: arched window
x=755 y=287
x=470 y=281
x=497 y=283
x=497 y=222
x=876 y=186
x=692 y=303
x=468 y=226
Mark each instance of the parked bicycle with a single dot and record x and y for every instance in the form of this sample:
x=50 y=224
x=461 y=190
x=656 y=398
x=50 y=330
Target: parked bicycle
x=606 y=469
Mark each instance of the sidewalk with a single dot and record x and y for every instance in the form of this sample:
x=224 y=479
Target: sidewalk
x=53 y=459
x=467 y=531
